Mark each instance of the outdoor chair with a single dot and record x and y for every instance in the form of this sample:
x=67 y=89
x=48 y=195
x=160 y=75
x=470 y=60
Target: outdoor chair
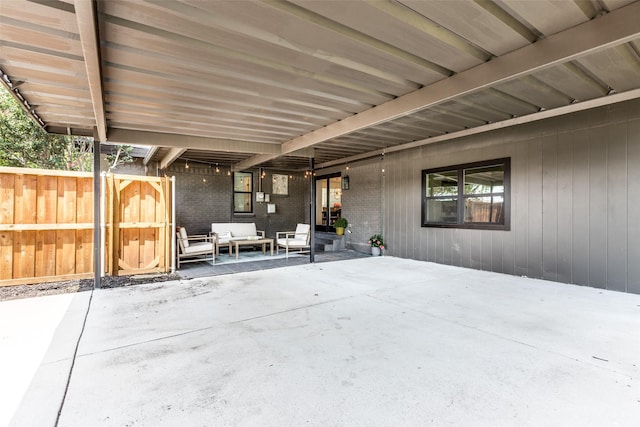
x=294 y=240
x=195 y=248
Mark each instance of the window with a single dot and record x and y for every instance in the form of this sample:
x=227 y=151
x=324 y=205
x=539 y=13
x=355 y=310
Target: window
x=474 y=195
x=242 y=192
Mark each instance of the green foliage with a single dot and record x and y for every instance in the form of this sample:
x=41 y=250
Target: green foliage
x=121 y=156
x=341 y=222
x=376 y=241
x=24 y=144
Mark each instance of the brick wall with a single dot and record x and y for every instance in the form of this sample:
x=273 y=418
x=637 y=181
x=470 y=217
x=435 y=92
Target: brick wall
x=204 y=196
x=362 y=203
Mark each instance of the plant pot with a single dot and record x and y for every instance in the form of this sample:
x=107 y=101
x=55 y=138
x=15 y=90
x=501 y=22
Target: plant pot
x=375 y=251
x=340 y=231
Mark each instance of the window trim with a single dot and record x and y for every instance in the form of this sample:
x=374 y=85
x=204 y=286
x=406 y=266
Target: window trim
x=460 y=197
x=234 y=192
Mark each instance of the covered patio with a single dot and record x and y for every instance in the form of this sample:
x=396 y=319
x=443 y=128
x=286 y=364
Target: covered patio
x=374 y=91
x=382 y=92
x=374 y=341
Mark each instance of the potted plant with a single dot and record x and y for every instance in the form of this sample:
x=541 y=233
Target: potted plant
x=340 y=224
x=377 y=244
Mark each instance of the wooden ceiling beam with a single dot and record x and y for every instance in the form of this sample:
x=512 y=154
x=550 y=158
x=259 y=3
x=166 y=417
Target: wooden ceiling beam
x=613 y=29
x=126 y=136
x=542 y=115
x=171 y=157
x=88 y=29
x=609 y=30
x=150 y=154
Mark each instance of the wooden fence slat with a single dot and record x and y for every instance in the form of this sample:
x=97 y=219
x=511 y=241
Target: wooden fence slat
x=45 y=253
x=161 y=217
x=84 y=251
x=7 y=204
x=47 y=199
x=46 y=213
x=25 y=199
x=65 y=252
x=24 y=253
x=131 y=213
x=7 y=198
x=67 y=195
x=84 y=238
x=148 y=236
x=65 y=239
x=6 y=255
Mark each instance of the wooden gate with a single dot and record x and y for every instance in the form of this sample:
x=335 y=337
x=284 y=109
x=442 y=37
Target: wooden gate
x=139 y=229
x=46 y=225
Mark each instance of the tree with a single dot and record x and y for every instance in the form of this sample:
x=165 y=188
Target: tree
x=25 y=144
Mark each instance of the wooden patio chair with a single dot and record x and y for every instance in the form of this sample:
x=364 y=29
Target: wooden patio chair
x=195 y=248
x=298 y=239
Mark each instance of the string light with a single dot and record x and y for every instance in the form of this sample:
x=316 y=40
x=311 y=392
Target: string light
x=209 y=165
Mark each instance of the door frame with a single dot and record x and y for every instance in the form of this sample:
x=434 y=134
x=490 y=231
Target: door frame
x=325 y=227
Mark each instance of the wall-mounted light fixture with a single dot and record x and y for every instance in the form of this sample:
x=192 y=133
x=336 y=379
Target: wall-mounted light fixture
x=345 y=182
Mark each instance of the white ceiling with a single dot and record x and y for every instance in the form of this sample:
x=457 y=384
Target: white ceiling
x=272 y=83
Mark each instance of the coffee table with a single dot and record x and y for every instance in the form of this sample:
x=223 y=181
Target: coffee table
x=263 y=242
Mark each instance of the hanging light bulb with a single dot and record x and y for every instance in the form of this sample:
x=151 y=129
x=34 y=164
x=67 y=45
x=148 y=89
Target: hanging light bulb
x=217 y=168
x=186 y=164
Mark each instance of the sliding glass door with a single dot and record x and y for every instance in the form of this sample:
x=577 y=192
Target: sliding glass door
x=328 y=201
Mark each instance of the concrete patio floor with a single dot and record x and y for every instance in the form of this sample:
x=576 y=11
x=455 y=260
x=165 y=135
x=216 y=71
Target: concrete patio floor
x=364 y=342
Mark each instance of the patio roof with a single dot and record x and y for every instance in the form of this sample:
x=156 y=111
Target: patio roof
x=272 y=83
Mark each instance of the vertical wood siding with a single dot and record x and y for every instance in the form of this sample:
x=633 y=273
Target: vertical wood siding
x=575 y=201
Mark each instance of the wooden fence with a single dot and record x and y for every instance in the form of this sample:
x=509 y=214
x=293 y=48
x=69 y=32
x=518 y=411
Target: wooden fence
x=46 y=225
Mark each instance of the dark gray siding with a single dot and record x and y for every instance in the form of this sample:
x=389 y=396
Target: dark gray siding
x=633 y=206
x=575 y=201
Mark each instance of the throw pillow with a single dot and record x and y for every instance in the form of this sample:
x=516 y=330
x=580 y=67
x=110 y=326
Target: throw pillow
x=224 y=235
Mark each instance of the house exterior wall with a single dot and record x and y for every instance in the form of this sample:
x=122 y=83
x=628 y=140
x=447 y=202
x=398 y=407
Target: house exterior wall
x=575 y=201
x=362 y=203
x=136 y=167
x=204 y=196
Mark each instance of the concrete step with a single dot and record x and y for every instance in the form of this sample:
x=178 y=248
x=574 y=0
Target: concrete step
x=328 y=242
